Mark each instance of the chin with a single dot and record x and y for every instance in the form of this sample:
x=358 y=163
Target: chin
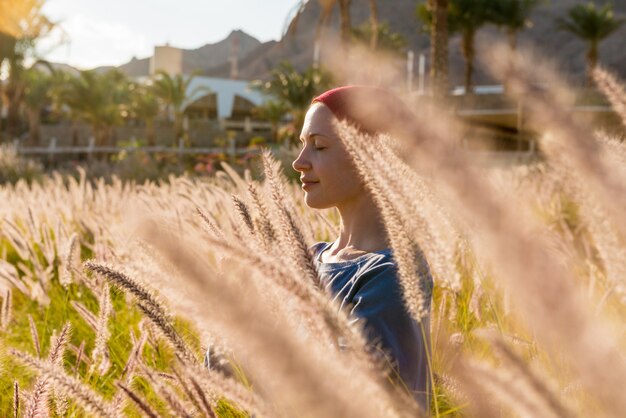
x=313 y=204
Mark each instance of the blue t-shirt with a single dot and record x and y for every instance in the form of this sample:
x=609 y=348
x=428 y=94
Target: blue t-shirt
x=370 y=285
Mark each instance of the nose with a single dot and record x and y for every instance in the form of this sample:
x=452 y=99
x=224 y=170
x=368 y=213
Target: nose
x=301 y=163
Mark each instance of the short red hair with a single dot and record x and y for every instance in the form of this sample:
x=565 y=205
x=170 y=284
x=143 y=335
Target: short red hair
x=371 y=109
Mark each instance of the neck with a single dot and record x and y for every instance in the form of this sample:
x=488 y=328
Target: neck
x=361 y=226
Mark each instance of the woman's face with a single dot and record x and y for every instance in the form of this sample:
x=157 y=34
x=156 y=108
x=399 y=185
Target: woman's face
x=325 y=163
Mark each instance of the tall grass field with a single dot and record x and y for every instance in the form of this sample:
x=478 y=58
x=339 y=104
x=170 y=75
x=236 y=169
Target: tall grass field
x=111 y=292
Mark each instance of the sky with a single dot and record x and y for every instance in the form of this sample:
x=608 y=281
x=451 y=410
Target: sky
x=111 y=32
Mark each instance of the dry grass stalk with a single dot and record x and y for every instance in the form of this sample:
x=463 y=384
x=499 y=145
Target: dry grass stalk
x=613 y=90
x=138 y=401
x=263 y=223
x=537 y=386
x=570 y=142
x=58 y=345
x=204 y=402
x=322 y=316
x=607 y=242
x=134 y=357
x=290 y=236
x=147 y=303
x=70 y=386
x=131 y=363
x=16 y=399
x=420 y=209
x=55 y=356
x=217 y=386
x=211 y=225
x=79 y=355
x=176 y=406
x=5 y=310
x=35 y=335
x=184 y=383
x=412 y=267
x=99 y=355
x=504 y=385
x=37 y=406
x=244 y=214
x=296 y=380
x=86 y=314
x=167 y=328
x=69 y=267
x=554 y=307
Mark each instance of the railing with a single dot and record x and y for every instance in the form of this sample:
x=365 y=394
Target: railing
x=53 y=149
x=482 y=157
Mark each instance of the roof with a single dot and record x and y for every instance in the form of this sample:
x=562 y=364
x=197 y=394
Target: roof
x=225 y=90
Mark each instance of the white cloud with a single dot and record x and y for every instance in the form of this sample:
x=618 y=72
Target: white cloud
x=91 y=43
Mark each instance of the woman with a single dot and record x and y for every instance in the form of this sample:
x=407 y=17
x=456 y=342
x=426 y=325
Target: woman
x=359 y=266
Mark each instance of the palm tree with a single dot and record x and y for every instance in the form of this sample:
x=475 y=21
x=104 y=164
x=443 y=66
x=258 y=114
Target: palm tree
x=434 y=14
x=273 y=111
x=36 y=95
x=21 y=24
x=374 y=24
x=386 y=40
x=346 y=22
x=468 y=16
x=295 y=89
x=465 y=17
x=144 y=106
x=592 y=25
x=173 y=92
x=513 y=15
x=98 y=99
x=327 y=7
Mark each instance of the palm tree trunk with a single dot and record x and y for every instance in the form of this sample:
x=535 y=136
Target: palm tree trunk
x=98 y=135
x=374 y=24
x=178 y=128
x=74 y=132
x=592 y=61
x=34 y=134
x=14 y=98
x=346 y=25
x=467 y=43
x=512 y=37
x=150 y=134
x=439 y=48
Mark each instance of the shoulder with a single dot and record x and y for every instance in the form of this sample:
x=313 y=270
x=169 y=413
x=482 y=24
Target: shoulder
x=381 y=281
x=317 y=247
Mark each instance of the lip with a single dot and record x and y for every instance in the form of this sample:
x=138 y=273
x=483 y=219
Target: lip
x=308 y=184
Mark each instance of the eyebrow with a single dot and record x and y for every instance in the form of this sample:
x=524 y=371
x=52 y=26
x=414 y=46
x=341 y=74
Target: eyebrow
x=314 y=134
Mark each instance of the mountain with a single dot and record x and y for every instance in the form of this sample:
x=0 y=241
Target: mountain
x=566 y=49
x=256 y=59
x=201 y=59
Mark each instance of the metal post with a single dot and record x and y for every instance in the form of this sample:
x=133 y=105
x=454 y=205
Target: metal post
x=90 y=148
x=316 y=54
x=232 y=148
x=409 y=70
x=421 y=72
x=520 y=123
x=51 y=149
x=181 y=145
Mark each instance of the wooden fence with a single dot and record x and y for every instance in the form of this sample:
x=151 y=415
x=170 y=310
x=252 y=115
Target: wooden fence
x=90 y=150
x=485 y=158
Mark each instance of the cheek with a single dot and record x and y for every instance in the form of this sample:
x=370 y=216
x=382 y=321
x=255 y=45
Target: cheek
x=342 y=184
